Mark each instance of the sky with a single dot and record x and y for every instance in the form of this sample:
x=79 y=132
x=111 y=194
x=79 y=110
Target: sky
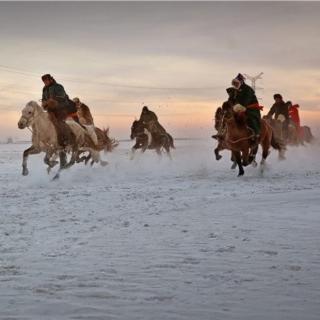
x=176 y=57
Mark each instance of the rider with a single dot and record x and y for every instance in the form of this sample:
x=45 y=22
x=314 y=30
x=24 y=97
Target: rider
x=57 y=103
x=246 y=97
x=280 y=110
x=55 y=99
x=295 y=118
x=150 y=119
x=86 y=119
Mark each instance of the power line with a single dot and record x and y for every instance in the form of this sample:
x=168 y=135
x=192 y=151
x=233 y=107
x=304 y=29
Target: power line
x=107 y=83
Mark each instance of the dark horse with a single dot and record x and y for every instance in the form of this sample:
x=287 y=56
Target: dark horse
x=145 y=140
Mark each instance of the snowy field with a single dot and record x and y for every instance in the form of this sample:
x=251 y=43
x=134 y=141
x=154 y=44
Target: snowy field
x=158 y=239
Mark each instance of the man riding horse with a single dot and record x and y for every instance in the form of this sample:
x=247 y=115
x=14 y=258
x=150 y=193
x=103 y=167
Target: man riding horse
x=57 y=103
x=150 y=120
x=246 y=98
x=280 y=110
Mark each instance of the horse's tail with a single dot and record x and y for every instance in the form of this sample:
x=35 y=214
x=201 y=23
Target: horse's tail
x=171 y=141
x=109 y=143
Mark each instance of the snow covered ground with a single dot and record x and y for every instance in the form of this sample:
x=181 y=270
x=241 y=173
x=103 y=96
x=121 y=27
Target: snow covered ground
x=160 y=239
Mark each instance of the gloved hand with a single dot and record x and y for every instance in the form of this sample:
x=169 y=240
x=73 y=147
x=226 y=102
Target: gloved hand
x=238 y=108
x=44 y=105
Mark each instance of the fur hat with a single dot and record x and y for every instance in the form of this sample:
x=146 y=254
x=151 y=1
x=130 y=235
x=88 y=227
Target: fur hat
x=240 y=77
x=277 y=95
x=76 y=100
x=47 y=76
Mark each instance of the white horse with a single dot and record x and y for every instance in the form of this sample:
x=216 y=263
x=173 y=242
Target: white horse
x=44 y=138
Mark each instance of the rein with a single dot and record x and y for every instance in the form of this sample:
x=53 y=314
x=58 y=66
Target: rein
x=238 y=140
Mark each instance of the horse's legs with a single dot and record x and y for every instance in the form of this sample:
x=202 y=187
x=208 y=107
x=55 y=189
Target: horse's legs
x=133 y=150
x=74 y=156
x=252 y=156
x=237 y=155
x=73 y=159
x=245 y=157
x=167 y=148
x=26 y=153
x=144 y=147
x=50 y=160
x=233 y=160
x=158 y=151
x=265 y=153
x=103 y=163
x=63 y=159
x=216 y=151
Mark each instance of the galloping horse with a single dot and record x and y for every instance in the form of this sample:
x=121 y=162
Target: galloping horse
x=44 y=138
x=145 y=140
x=236 y=138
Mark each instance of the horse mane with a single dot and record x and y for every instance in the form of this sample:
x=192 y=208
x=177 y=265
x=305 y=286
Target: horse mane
x=33 y=103
x=240 y=119
x=218 y=112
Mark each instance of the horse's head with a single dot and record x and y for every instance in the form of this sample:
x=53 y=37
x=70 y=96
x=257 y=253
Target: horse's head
x=232 y=93
x=136 y=129
x=220 y=118
x=28 y=114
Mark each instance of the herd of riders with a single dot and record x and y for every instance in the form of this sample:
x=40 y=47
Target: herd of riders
x=242 y=100
x=60 y=107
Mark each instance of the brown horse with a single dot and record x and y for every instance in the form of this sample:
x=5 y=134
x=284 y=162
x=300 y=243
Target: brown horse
x=237 y=138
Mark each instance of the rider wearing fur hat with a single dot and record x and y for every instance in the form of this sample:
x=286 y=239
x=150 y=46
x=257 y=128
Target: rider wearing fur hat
x=246 y=97
x=59 y=106
x=280 y=110
x=150 y=119
x=55 y=98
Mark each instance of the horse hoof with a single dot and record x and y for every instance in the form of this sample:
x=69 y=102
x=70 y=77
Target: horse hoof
x=241 y=173
x=218 y=157
x=254 y=163
x=25 y=172
x=104 y=163
x=56 y=177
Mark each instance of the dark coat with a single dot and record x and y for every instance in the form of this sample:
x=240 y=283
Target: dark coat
x=54 y=91
x=246 y=96
x=279 y=108
x=147 y=116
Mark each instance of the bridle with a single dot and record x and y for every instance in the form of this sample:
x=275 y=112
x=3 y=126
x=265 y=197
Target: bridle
x=238 y=140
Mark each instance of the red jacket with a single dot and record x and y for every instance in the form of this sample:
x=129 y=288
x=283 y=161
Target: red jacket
x=294 y=114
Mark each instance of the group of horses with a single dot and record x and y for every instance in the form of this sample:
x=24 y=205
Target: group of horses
x=235 y=135
x=80 y=147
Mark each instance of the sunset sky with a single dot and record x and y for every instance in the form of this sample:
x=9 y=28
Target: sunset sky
x=177 y=58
